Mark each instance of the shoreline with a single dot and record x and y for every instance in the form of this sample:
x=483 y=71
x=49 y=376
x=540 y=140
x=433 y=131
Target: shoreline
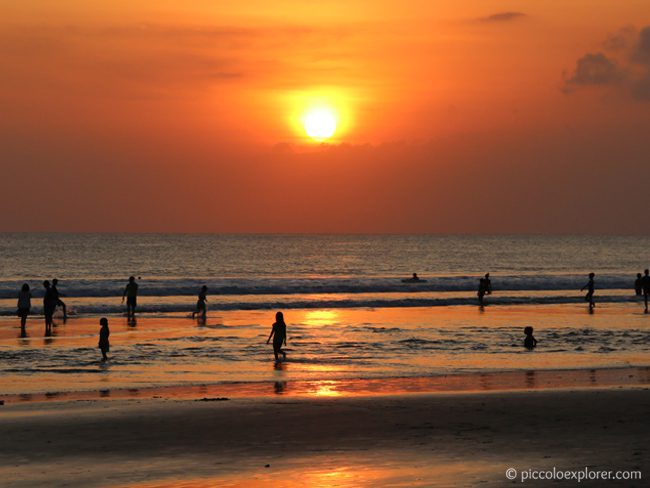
x=484 y=382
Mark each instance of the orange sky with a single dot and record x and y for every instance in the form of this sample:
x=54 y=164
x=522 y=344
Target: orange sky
x=468 y=116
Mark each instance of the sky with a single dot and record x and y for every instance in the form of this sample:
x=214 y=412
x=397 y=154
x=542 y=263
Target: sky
x=481 y=116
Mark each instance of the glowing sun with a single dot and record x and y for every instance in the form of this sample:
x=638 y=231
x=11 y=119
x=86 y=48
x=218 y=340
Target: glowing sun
x=320 y=123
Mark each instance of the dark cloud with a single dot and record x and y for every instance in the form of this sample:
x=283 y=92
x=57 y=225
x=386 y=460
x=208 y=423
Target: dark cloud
x=642 y=50
x=595 y=69
x=641 y=88
x=621 y=39
x=502 y=17
x=626 y=69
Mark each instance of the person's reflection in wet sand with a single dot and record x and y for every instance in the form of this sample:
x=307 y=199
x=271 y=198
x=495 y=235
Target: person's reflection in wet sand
x=24 y=340
x=280 y=386
x=132 y=321
x=530 y=379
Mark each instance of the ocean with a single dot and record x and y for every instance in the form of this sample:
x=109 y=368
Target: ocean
x=349 y=314
x=261 y=272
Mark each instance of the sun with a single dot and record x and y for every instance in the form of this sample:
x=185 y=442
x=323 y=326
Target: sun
x=320 y=123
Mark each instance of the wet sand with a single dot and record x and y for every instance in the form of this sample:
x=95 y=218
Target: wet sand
x=451 y=383
x=407 y=440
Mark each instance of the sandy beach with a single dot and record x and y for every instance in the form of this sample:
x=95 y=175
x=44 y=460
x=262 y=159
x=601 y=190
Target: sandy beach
x=407 y=440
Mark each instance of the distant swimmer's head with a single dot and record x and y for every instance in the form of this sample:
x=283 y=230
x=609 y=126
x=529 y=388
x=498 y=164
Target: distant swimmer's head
x=279 y=317
x=46 y=284
x=25 y=287
x=103 y=322
x=591 y=275
x=415 y=276
x=131 y=279
x=528 y=330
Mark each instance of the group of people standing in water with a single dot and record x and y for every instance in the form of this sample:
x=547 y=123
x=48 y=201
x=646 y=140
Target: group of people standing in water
x=52 y=300
x=641 y=288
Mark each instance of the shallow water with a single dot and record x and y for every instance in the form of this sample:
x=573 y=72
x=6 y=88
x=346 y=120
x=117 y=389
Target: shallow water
x=322 y=345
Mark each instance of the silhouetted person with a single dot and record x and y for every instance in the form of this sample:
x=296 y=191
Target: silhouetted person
x=49 y=305
x=484 y=287
x=201 y=308
x=414 y=279
x=590 y=287
x=279 y=334
x=529 y=342
x=131 y=294
x=645 y=284
x=24 y=306
x=59 y=302
x=104 y=345
x=638 y=285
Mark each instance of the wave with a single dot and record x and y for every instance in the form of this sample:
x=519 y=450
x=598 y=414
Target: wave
x=328 y=285
x=187 y=307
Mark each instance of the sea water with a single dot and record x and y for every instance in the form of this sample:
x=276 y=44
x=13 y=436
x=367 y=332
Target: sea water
x=348 y=312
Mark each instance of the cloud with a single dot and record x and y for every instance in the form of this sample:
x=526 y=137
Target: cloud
x=621 y=39
x=625 y=69
x=641 y=88
x=642 y=50
x=502 y=17
x=158 y=60
x=595 y=69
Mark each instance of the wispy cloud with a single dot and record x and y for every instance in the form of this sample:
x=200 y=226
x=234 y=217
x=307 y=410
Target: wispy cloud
x=502 y=17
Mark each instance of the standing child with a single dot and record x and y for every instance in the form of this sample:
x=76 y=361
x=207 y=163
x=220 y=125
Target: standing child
x=638 y=285
x=484 y=287
x=645 y=287
x=131 y=294
x=103 y=338
x=201 y=308
x=529 y=342
x=279 y=334
x=590 y=287
x=49 y=305
x=24 y=306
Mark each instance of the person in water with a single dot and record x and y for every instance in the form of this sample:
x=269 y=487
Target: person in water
x=645 y=284
x=104 y=345
x=59 y=302
x=279 y=334
x=638 y=285
x=484 y=287
x=590 y=287
x=24 y=306
x=529 y=342
x=201 y=308
x=49 y=305
x=131 y=294
x=415 y=277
